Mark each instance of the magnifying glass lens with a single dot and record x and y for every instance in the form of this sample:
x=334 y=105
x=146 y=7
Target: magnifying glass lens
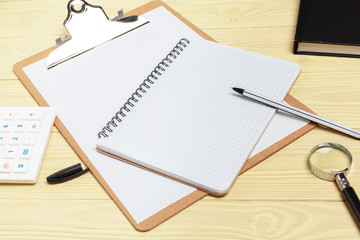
x=330 y=159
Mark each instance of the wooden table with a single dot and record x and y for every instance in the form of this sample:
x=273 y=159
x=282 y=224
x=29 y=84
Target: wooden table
x=278 y=199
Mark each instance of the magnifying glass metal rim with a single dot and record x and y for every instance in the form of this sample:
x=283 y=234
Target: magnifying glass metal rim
x=329 y=175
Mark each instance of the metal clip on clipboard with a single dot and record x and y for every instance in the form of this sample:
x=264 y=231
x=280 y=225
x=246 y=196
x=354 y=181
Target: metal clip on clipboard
x=88 y=27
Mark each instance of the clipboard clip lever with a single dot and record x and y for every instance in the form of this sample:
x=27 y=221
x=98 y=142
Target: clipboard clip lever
x=88 y=27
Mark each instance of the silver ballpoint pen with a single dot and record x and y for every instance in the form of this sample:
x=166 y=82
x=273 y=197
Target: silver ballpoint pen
x=298 y=112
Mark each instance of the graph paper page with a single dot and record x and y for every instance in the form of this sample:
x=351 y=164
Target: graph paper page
x=190 y=125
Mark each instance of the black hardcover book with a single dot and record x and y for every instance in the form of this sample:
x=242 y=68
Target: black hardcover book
x=328 y=27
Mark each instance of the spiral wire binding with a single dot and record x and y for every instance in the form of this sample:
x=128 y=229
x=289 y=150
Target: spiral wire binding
x=144 y=86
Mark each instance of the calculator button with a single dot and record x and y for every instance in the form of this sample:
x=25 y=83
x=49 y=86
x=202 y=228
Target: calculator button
x=34 y=127
x=25 y=153
x=9 y=115
x=32 y=115
x=14 y=140
x=5 y=166
x=21 y=166
x=5 y=127
x=3 y=139
x=9 y=153
x=19 y=127
x=30 y=139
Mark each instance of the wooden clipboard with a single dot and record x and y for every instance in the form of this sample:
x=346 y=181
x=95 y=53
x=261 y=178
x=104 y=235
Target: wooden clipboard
x=183 y=203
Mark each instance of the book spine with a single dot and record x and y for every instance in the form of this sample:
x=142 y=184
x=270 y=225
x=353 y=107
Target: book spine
x=299 y=25
x=143 y=87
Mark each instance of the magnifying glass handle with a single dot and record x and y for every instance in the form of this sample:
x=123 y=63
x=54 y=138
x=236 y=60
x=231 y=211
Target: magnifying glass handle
x=350 y=196
x=353 y=203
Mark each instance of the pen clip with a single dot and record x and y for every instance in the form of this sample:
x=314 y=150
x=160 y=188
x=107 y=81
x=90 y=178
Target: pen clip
x=67 y=174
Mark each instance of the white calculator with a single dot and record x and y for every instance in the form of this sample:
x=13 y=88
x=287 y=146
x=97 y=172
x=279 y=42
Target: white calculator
x=24 y=135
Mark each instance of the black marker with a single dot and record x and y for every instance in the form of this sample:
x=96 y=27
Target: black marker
x=67 y=174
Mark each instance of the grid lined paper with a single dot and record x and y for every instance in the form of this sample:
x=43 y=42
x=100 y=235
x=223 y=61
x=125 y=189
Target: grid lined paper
x=191 y=125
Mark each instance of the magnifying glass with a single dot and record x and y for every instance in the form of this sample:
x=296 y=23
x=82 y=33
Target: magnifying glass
x=332 y=162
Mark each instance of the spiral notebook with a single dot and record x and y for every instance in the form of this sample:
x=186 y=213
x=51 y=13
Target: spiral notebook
x=185 y=122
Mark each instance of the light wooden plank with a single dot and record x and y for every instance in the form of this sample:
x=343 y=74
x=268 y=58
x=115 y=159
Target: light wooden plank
x=25 y=17
x=13 y=93
x=96 y=219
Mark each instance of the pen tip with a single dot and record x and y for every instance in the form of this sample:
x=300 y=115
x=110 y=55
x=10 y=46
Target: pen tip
x=238 y=90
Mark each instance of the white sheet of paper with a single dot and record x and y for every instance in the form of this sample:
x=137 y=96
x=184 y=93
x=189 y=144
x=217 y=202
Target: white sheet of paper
x=89 y=89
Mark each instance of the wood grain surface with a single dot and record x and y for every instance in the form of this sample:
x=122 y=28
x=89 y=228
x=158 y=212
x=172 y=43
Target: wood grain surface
x=277 y=199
